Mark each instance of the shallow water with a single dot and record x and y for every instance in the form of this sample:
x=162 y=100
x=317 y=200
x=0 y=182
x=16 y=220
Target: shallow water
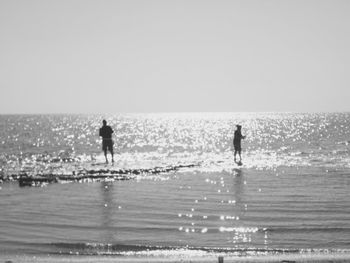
x=290 y=196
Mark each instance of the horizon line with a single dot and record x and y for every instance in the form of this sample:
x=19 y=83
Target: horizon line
x=171 y=112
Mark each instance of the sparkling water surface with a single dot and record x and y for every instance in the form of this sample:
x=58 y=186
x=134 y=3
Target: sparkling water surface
x=290 y=196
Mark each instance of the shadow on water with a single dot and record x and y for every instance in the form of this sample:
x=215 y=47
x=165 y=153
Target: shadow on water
x=237 y=172
x=238 y=191
x=107 y=212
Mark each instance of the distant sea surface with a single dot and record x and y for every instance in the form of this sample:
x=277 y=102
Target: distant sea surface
x=290 y=196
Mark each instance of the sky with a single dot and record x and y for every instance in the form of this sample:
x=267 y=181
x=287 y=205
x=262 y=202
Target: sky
x=119 y=56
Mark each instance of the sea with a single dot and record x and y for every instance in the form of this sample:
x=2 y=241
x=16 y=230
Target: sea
x=178 y=193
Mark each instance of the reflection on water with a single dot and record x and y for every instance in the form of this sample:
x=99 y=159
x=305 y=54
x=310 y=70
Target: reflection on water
x=203 y=210
x=239 y=199
x=290 y=194
x=45 y=143
x=107 y=211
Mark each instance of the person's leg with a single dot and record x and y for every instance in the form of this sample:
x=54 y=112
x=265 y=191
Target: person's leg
x=104 y=148
x=235 y=155
x=240 y=157
x=111 y=150
x=105 y=151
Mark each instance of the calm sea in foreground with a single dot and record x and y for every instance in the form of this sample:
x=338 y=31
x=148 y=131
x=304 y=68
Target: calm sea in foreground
x=291 y=196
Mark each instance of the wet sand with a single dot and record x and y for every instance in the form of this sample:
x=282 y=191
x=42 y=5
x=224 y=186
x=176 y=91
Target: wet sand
x=333 y=258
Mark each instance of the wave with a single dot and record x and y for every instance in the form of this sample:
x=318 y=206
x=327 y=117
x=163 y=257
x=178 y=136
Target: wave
x=149 y=250
x=39 y=169
x=294 y=230
x=93 y=175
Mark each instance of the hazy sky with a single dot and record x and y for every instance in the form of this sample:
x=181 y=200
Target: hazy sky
x=98 y=56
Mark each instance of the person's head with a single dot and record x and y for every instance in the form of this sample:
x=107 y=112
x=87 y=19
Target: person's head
x=239 y=127
x=104 y=122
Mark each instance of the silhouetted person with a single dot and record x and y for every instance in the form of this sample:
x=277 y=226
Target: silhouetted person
x=107 y=142
x=237 y=142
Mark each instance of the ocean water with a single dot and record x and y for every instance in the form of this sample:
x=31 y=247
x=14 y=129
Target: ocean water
x=290 y=196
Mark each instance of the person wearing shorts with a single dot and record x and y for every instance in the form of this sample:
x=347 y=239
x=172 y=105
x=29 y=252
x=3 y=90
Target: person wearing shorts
x=107 y=142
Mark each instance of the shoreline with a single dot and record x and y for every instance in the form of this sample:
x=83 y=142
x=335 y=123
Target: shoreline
x=316 y=258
